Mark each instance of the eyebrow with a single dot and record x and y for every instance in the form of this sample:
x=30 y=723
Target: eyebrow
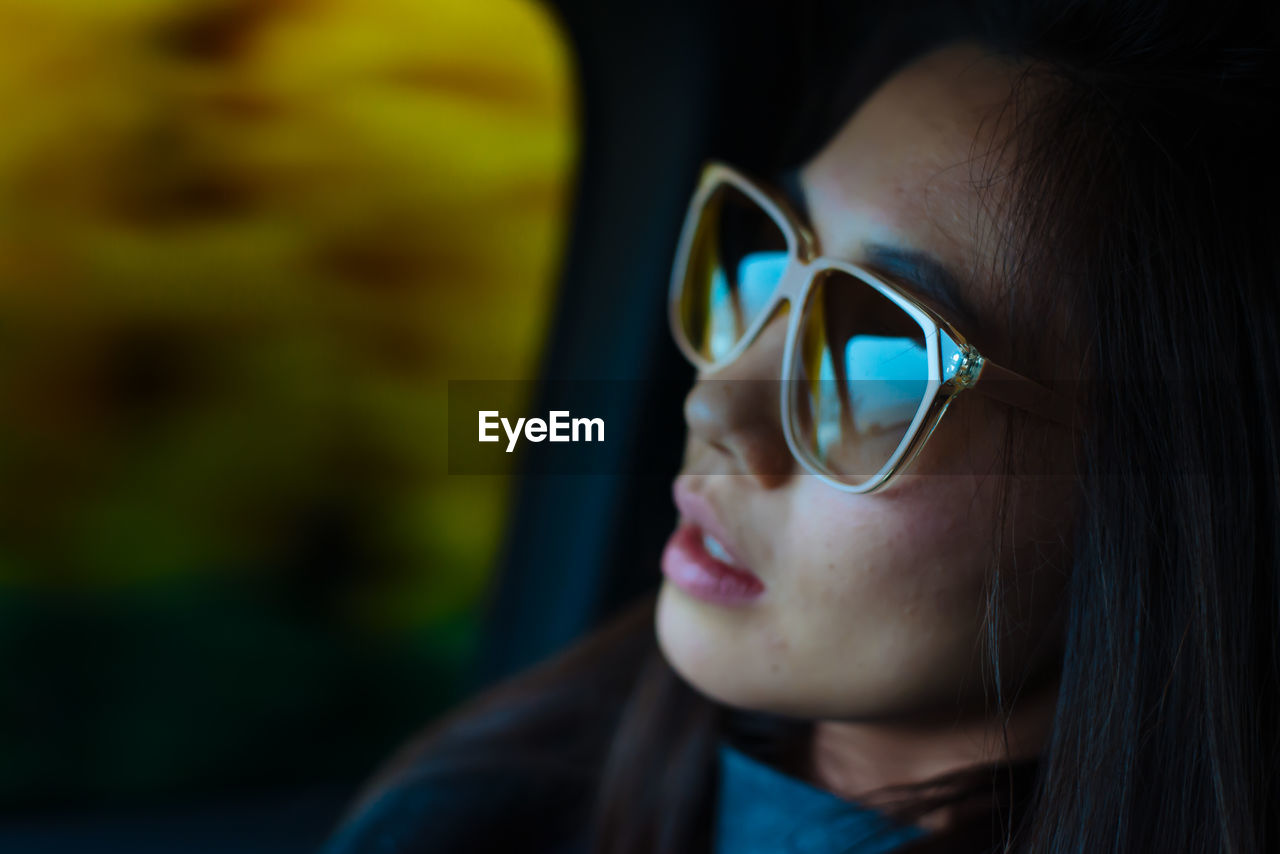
x=922 y=271
x=927 y=275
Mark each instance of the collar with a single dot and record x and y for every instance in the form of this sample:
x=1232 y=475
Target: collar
x=761 y=810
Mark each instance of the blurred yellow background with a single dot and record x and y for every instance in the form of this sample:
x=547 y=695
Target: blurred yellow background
x=243 y=246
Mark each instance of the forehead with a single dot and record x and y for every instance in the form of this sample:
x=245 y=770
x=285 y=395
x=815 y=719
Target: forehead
x=915 y=167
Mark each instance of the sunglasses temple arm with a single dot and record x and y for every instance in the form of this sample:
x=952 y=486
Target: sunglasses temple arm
x=1000 y=383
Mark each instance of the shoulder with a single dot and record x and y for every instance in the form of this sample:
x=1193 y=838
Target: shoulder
x=515 y=769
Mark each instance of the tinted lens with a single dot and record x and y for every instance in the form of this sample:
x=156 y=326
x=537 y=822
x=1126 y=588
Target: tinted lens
x=858 y=378
x=734 y=265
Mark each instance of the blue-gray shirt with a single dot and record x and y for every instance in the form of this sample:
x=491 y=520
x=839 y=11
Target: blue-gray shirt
x=763 y=811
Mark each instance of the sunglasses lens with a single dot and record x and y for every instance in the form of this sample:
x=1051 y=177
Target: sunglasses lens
x=734 y=265
x=858 y=380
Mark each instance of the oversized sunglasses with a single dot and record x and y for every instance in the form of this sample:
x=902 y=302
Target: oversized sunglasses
x=868 y=369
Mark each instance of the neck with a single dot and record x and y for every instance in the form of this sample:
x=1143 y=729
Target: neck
x=857 y=760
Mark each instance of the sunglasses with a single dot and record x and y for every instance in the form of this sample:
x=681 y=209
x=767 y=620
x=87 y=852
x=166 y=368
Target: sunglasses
x=868 y=369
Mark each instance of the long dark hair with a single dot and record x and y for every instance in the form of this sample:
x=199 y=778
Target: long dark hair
x=1148 y=204
x=1156 y=172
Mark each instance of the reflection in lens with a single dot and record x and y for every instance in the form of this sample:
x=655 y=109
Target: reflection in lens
x=735 y=263
x=859 y=376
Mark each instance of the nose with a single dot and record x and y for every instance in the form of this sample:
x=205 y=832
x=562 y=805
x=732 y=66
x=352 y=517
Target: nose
x=736 y=409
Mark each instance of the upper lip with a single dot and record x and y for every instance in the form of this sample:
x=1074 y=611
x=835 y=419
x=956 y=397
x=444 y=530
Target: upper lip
x=698 y=509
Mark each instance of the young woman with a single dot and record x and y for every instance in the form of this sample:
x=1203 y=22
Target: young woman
x=979 y=515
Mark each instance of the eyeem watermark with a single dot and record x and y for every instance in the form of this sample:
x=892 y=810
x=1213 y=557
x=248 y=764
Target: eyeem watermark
x=558 y=427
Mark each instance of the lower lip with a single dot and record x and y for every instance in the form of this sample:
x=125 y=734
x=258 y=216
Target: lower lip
x=686 y=562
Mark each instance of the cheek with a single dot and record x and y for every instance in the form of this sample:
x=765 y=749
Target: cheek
x=903 y=547
x=912 y=557
x=877 y=599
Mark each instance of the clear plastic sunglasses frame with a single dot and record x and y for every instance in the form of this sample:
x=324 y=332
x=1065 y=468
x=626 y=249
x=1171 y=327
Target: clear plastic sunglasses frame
x=954 y=365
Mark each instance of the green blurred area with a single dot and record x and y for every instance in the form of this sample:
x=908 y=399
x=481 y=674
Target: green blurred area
x=187 y=685
x=243 y=246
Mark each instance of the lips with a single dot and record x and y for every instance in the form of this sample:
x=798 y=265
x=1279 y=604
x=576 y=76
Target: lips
x=699 y=559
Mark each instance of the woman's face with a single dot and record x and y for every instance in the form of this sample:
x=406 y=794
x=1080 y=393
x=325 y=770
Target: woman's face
x=873 y=605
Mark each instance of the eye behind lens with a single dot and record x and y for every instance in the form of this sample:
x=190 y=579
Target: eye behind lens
x=859 y=378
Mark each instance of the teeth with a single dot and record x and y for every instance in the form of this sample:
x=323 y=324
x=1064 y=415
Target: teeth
x=716 y=550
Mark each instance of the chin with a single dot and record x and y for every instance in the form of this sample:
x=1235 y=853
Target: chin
x=715 y=651
x=694 y=643
x=733 y=657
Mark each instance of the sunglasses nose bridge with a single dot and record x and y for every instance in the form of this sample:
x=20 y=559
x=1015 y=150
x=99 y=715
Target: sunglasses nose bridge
x=806 y=245
x=795 y=277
